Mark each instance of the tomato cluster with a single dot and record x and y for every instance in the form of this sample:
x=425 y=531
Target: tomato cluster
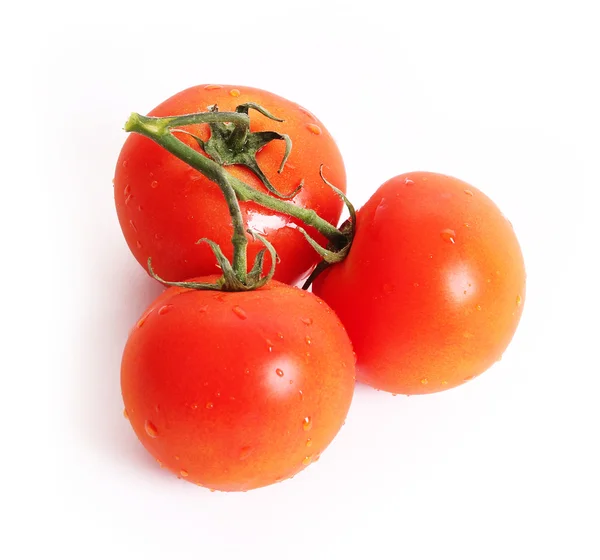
x=234 y=378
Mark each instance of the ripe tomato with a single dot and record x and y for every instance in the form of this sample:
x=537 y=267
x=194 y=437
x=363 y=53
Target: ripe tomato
x=164 y=206
x=237 y=390
x=433 y=287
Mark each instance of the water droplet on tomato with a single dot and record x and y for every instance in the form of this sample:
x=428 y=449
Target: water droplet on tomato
x=184 y=473
x=126 y=190
x=307 y=321
x=444 y=383
x=307 y=423
x=301 y=394
x=234 y=92
x=380 y=210
x=165 y=309
x=308 y=442
x=468 y=192
x=239 y=312
x=316 y=457
x=279 y=372
x=128 y=200
x=519 y=301
x=308 y=340
x=125 y=163
x=154 y=184
x=280 y=336
x=141 y=322
x=448 y=235
x=194 y=406
x=424 y=381
x=416 y=284
x=468 y=378
x=245 y=452
x=307 y=460
x=151 y=429
x=467 y=225
x=132 y=226
x=478 y=307
x=213 y=86
x=138 y=244
x=219 y=296
x=209 y=405
x=307 y=113
x=269 y=344
x=125 y=413
x=408 y=181
x=315 y=129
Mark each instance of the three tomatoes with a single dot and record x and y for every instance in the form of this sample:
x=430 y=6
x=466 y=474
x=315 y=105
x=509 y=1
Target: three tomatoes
x=237 y=390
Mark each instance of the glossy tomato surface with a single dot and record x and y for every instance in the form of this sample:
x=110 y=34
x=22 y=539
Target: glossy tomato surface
x=234 y=391
x=433 y=288
x=164 y=206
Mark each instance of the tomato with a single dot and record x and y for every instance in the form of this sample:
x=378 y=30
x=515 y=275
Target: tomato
x=164 y=206
x=237 y=390
x=433 y=287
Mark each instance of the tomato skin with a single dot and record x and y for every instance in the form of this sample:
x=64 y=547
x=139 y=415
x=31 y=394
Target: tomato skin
x=231 y=393
x=164 y=206
x=433 y=288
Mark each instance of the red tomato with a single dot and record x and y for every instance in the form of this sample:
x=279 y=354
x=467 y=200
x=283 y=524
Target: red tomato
x=165 y=206
x=237 y=390
x=433 y=287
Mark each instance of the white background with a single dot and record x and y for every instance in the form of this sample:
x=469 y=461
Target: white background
x=501 y=94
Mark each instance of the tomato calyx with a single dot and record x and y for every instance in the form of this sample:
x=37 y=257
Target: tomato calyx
x=234 y=144
x=336 y=251
x=230 y=280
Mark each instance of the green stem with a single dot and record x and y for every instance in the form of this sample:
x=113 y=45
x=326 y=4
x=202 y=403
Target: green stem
x=238 y=119
x=157 y=129
x=238 y=240
x=159 y=132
